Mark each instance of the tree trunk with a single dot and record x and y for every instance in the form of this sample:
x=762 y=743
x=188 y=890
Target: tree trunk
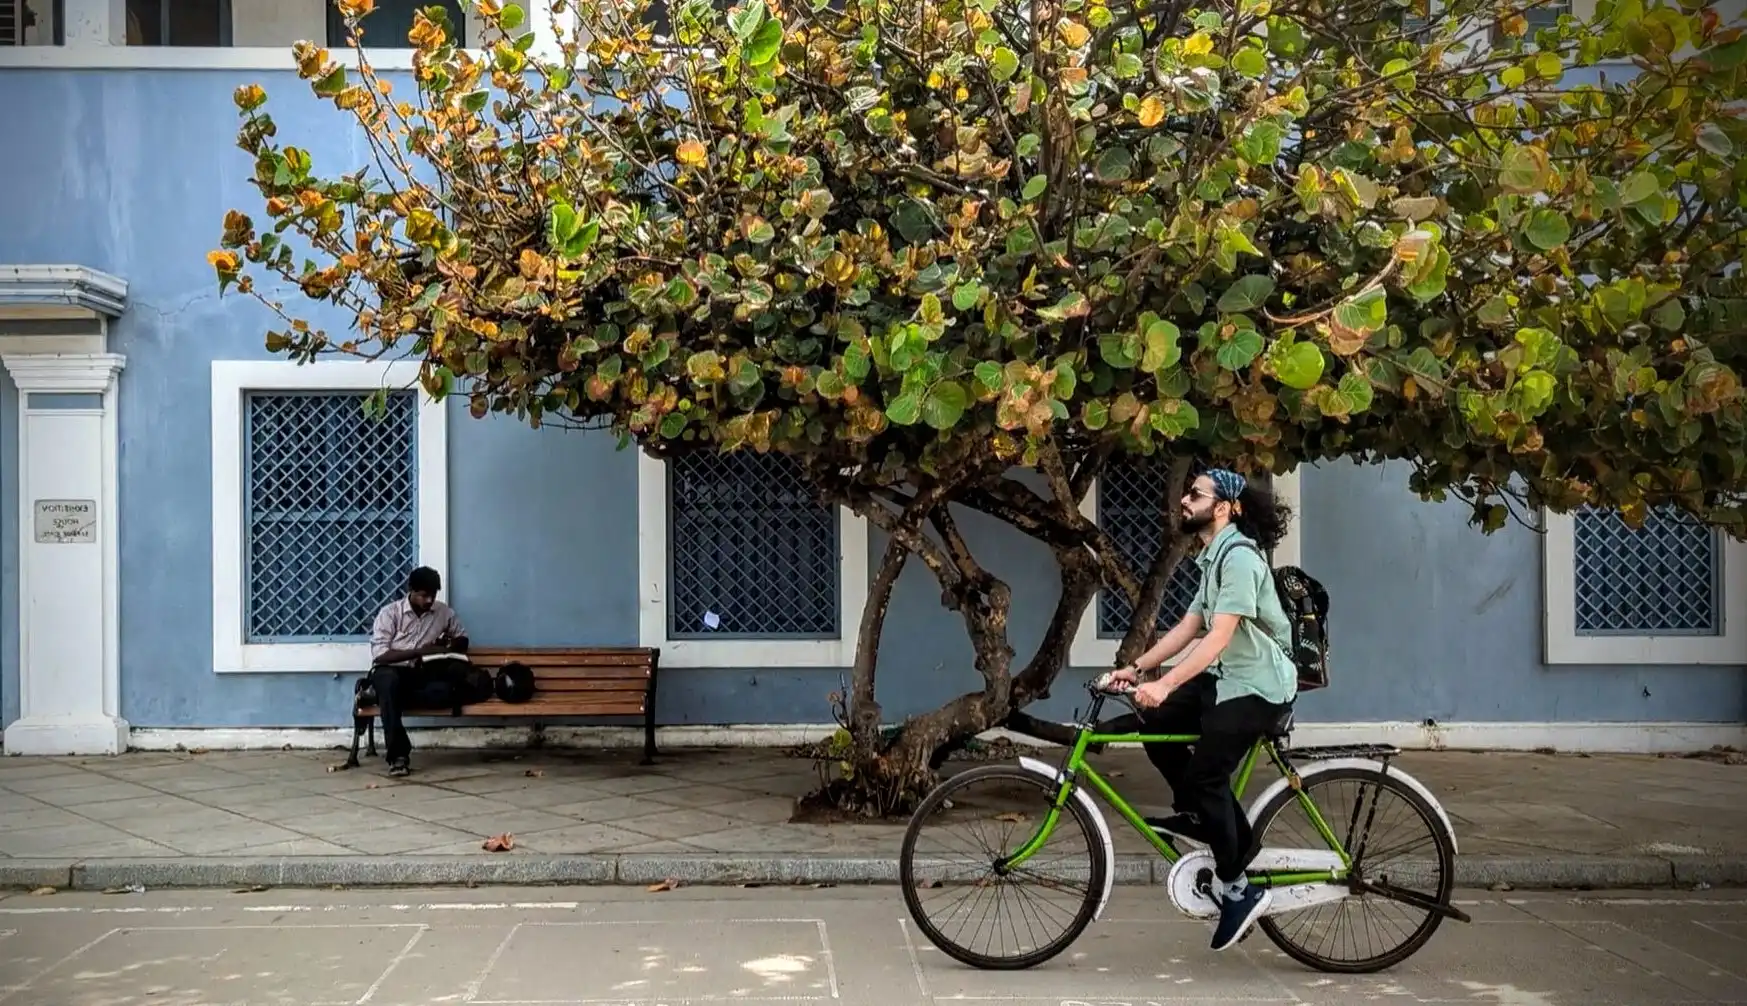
x=883 y=773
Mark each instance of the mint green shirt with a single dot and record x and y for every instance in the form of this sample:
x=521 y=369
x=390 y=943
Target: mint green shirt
x=1255 y=661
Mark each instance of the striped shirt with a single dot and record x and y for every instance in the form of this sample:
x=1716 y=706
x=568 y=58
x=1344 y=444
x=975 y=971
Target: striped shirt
x=398 y=627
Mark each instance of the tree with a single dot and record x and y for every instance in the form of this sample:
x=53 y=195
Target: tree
x=924 y=249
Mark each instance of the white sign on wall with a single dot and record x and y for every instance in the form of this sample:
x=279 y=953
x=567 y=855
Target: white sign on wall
x=66 y=522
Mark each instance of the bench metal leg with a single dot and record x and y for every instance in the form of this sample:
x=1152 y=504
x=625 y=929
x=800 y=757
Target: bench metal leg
x=649 y=722
x=357 y=732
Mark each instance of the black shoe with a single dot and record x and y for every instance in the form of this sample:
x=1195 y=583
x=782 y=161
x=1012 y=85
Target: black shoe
x=1237 y=914
x=1179 y=826
x=403 y=767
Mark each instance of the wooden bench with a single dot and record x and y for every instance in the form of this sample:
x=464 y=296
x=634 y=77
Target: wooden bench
x=568 y=681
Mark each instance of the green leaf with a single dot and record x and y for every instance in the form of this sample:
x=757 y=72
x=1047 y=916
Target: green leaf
x=906 y=409
x=583 y=239
x=1356 y=389
x=765 y=42
x=746 y=20
x=1547 y=229
x=761 y=232
x=1261 y=143
x=332 y=84
x=1240 y=350
x=1028 y=145
x=1174 y=417
x=1162 y=348
x=1524 y=169
x=1128 y=65
x=1249 y=61
x=672 y=425
x=945 y=404
x=966 y=296
x=990 y=375
x=1121 y=350
x=1072 y=305
x=1003 y=63
x=1549 y=65
x=1640 y=187
x=1430 y=284
x=1367 y=312
x=473 y=101
x=1095 y=414
x=512 y=17
x=1300 y=366
x=1249 y=293
x=1669 y=315
x=1712 y=138
x=1116 y=164
x=1034 y=187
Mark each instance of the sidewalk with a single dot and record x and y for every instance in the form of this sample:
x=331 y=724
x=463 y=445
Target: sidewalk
x=723 y=816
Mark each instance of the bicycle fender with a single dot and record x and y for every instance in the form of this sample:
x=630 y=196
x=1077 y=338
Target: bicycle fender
x=1051 y=773
x=1317 y=768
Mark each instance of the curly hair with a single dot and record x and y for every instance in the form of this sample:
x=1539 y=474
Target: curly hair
x=1261 y=517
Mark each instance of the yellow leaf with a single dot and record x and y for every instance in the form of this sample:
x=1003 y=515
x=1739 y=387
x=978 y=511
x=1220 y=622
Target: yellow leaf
x=1152 y=111
x=1074 y=34
x=1198 y=44
x=692 y=154
x=224 y=261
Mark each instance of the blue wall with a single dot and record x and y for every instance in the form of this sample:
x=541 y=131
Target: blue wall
x=131 y=172
x=8 y=550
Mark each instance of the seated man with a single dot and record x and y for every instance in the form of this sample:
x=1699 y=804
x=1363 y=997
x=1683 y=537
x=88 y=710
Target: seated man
x=406 y=632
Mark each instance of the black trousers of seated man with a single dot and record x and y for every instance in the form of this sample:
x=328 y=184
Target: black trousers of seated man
x=400 y=687
x=1200 y=774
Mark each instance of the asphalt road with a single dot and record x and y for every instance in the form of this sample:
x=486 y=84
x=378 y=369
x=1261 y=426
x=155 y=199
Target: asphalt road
x=851 y=946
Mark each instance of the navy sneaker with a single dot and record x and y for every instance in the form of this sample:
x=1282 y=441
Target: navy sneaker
x=1179 y=826
x=1237 y=914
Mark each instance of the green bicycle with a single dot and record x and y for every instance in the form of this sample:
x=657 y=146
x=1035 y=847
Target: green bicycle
x=1340 y=861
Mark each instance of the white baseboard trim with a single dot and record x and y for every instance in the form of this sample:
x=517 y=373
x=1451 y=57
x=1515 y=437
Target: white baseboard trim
x=1593 y=738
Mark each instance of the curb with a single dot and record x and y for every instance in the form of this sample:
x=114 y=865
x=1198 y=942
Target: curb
x=1518 y=872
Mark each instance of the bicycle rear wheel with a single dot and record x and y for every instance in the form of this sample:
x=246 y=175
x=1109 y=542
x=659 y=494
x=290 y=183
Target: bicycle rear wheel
x=1395 y=837
x=989 y=918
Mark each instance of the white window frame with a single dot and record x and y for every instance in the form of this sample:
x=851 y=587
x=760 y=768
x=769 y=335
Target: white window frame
x=1088 y=649
x=652 y=593
x=231 y=380
x=1559 y=593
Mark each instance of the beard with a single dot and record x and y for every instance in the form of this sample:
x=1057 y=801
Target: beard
x=1194 y=523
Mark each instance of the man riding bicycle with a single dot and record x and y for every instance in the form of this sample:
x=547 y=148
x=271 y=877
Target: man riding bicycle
x=1231 y=687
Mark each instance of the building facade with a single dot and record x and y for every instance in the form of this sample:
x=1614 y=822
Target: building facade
x=194 y=535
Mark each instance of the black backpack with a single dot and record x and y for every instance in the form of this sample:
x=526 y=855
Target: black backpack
x=1305 y=602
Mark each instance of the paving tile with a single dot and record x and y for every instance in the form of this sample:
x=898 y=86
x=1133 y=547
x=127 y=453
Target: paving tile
x=401 y=840
x=515 y=821
x=607 y=809
x=708 y=796
x=78 y=842
x=105 y=793
x=438 y=808
x=46 y=817
x=51 y=782
x=146 y=808
x=681 y=825
x=580 y=839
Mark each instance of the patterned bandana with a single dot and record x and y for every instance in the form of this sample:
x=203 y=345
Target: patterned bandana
x=1227 y=484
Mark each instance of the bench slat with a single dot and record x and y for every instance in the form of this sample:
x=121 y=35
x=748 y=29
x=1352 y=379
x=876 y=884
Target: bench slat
x=560 y=658
x=629 y=676
x=567 y=706
x=587 y=685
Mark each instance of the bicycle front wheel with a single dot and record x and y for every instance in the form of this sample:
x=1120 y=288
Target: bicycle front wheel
x=1000 y=919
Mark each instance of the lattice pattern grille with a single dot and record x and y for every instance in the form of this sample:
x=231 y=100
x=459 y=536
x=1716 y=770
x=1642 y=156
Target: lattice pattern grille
x=752 y=553
x=1662 y=579
x=1131 y=502
x=332 y=517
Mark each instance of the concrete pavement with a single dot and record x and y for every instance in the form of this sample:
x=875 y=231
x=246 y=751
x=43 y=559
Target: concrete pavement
x=842 y=947
x=282 y=818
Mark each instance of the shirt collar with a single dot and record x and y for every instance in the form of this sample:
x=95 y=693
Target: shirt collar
x=1226 y=534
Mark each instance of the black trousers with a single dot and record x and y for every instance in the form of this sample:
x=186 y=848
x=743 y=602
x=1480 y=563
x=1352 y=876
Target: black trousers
x=1200 y=774
x=400 y=687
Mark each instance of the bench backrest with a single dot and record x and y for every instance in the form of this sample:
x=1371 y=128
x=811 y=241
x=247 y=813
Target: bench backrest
x=580 y=681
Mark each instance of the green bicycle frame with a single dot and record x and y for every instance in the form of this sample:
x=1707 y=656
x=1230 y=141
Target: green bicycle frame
x=1077 y=771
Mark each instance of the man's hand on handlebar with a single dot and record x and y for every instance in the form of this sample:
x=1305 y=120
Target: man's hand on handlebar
x=1119 y=681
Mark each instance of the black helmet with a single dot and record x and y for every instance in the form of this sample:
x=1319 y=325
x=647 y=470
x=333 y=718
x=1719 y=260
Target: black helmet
x=515 y=682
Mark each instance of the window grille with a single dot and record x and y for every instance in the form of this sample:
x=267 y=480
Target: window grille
x=752 y=553
x=330 y=508
x=1664 y=579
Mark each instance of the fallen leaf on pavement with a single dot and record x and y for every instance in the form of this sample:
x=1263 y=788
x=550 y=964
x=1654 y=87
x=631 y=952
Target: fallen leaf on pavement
x=666 y=885
x=43 y=890
x=252 y=889
x=134 y=888
x=534 y=773
x=1011 y=817
x=372 y=785
x=500 y=843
